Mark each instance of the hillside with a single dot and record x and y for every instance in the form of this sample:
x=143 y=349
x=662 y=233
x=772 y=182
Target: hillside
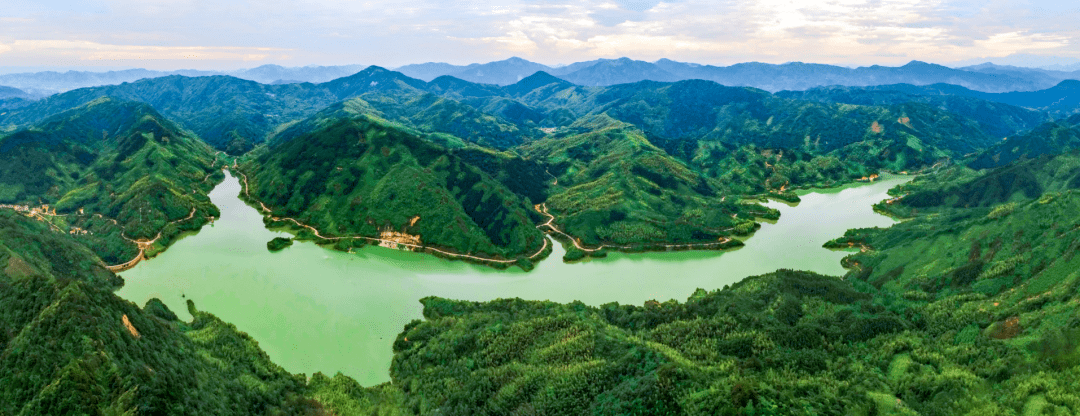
x=111 y=173
x=1060 y=100
x=228 y=113
x=361 y=177
x=1048 y=139
x=974 y=302
x=68 y=345
x=995 y=118
x=616 y=189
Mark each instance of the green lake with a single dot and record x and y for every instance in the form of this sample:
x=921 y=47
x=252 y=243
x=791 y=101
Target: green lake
x=314 y=309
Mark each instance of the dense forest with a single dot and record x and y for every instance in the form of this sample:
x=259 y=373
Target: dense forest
x=968 y=306
x=111 y=173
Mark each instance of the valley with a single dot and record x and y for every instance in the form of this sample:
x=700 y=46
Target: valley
x=610 y=237
x=317 y=309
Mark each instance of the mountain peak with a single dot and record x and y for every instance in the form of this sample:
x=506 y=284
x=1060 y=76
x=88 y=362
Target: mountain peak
x=918 y=63
x=534 y=81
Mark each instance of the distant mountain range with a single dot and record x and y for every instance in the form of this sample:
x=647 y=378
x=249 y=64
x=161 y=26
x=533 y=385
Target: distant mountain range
x=1060 y=100
x=795 y=76
x=49 y=82
x=234 y=114
x=769 y=77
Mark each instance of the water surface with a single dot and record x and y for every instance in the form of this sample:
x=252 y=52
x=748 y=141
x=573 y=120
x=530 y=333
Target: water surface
x=314 y=309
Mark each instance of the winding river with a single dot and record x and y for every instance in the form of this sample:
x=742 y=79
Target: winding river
x=314 y=309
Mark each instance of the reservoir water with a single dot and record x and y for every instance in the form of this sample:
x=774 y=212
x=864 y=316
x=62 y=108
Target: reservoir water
x=314 y=309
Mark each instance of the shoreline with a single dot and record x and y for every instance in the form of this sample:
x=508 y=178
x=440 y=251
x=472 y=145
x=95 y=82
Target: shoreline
x=497 y=263
x=552 y=232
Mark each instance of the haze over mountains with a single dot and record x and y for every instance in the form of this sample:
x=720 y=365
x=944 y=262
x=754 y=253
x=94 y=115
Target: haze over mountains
x=986 y=77
x=769 y=77
x=51 y=82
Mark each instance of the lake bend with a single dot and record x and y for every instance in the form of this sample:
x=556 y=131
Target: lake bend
x=315 y=309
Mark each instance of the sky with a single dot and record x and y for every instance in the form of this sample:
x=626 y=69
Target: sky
x=233 y=34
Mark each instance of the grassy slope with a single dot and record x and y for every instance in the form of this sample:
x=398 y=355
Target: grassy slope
x=120 y=160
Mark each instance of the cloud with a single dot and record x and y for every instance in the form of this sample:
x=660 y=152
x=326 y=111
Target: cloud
x=398 y=32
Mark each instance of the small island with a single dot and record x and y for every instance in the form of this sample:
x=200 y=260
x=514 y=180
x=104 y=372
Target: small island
x=278 y=244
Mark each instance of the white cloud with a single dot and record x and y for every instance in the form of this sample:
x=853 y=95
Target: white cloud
x=406 y=31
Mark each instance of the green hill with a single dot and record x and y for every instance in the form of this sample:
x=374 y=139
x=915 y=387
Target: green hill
x=116 y=170
x=228 y=113
x=68 y=345
x=973 y=302
x=361 y=176
x=994 y=118
x=1047 y=139
x=617 y=189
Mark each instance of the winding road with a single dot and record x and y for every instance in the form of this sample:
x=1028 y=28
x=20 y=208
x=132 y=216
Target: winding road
x=542 y=209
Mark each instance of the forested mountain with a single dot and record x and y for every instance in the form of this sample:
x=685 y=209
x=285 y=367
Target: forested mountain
x=228 y=113
x=1048 y=139
x=995 y=118
x=613 y=187
x=110 y=172
x=68 y=345
x=234 y=115
x=1060 y=100
x=361 y=177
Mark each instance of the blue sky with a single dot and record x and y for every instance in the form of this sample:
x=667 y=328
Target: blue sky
x=229 y=34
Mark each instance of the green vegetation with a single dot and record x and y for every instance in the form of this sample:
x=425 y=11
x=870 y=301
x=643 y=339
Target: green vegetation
x=617 y=189
x=68 y=345
x=968 y=310
x=1047 y=139
x=113 y=172
x=278 y=243
x=362 y=177
x=968 y=307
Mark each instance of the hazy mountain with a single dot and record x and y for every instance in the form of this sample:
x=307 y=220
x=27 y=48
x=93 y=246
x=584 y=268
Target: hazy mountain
x=1060 y=100
x=52 y=82
x=801 y=76
x=619 y=71
x=268 y=74
x=1048 y=139
x=10 y=92
x=1044 y=77
x=503 y=72
x=769 y=77
x=577 y=66
x=997 y=119
x=429 y=71
x=66 y=81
